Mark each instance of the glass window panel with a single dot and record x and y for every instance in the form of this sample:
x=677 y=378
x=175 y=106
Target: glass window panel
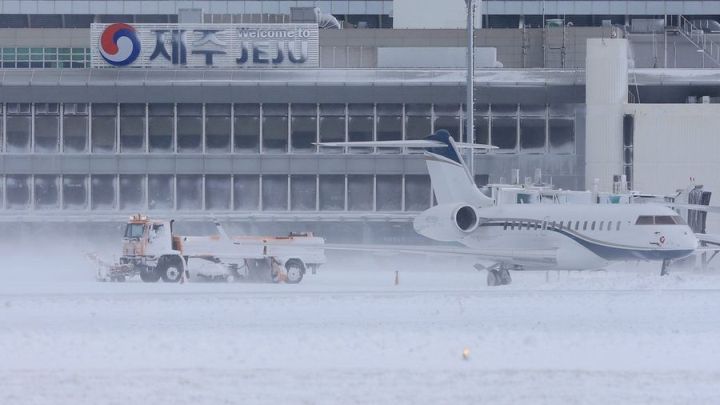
x=418 y=123
x=332 y=192
x=274 y=192
x=389 y=193
x=46 y=192
x=189 y=129
x=360 y=125
x=75 y=128
x=217 y=192
x=389 y=125
x=360 y=192
x=561 y=110
x=532 y=110
x=75 y=195
x=47 y=133
x=303 y=192
x=417 y=192
x=161 y=191
x=332 y=126
x=17 y=191
x=189 y=192
x=504 y=133
x=447 y=117
x=561 y=133
x=132 y=192
x=161 y=127
x=482 y=129
x=247 y=127
x=275 y=128
x=217 y=128
x=102 y=192
x=504 y=109
x=246 y=192
x=104 y=128
x=304 y=127
x=132 y=127
x=18 y=133
x=532 y=135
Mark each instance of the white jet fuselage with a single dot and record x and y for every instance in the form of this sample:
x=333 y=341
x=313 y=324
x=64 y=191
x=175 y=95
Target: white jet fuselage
x=582 y=237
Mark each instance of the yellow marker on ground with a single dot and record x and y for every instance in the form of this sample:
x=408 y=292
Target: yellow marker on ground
x=466 y=353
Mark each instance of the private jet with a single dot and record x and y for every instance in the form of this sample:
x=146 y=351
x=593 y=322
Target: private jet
x=527 y=236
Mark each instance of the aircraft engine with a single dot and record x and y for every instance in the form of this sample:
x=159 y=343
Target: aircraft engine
x=447 y=222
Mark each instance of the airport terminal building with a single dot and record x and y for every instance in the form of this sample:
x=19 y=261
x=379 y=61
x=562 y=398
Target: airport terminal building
x=200 y=108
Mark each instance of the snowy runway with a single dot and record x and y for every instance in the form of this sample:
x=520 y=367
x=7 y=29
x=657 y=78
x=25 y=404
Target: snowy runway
x=354 y=337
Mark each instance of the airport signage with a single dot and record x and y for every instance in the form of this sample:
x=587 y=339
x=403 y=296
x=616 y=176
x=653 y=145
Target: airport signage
x=121 y=45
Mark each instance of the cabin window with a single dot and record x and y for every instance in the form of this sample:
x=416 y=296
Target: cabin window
x=601 y=225
x=561 y=225
x=552 y=225
x=669 y=220
x=592 y=226
x=577 y=225
x=584 y=225
x=645 y=220
x=617 y=227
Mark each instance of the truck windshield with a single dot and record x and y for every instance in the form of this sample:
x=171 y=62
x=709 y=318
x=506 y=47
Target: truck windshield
x=134 y=231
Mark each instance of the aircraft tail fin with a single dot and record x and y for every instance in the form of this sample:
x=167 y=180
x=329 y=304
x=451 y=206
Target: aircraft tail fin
x=450 y=179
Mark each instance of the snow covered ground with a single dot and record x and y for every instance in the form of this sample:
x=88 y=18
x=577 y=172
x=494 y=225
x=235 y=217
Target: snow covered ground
x=348 y=336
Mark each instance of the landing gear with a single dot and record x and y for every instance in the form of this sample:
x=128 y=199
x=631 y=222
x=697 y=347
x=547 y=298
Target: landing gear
x=504 y=274
x=664 y=269
x=493 y=278
x=498 y=274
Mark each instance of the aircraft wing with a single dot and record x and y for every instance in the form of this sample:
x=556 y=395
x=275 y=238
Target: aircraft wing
x=710 y=241
x=515 y=256
x=713 y=209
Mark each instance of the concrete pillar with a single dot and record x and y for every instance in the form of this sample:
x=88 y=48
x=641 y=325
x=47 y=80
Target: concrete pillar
x=606 y=89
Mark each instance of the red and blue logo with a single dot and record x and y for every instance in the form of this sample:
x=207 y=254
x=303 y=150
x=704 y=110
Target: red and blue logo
x=119 y=44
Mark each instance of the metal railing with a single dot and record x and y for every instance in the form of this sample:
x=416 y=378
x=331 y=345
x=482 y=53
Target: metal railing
x=695 y=33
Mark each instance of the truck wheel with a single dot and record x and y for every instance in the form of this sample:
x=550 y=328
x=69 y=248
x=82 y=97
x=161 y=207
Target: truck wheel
x=170 y=270
x=295 y=271
x=149 y=275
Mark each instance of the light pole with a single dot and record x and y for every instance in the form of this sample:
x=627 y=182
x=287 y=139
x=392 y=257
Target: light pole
x=470 y=104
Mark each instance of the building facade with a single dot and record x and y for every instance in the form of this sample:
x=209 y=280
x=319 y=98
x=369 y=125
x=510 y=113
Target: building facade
x=86 y=140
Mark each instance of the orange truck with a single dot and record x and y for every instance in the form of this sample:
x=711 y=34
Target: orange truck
x=152 y=251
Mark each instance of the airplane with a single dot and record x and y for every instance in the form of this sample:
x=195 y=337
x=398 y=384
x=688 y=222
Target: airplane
x=533 y=236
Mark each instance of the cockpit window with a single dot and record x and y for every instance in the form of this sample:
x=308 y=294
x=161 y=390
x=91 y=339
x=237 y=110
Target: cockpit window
x=134 y=231
x=664 y=220
x=679 y=220
x=660 y=220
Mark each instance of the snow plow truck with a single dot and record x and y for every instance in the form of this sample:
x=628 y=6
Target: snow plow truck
x=153 y=251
